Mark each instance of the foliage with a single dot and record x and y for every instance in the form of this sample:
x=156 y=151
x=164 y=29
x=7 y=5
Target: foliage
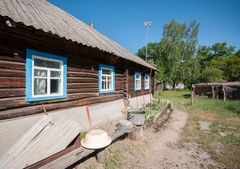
x=174 y=54
x=113 y=159
x=178 y=60
x=232 y=67
x=155 y=110
x=216 y=64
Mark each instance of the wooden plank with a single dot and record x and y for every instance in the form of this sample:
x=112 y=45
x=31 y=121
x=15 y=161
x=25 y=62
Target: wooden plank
x=81 y=85
x=12 y=73
x=84 y=90
x=24 y=111
x=74 y=156
x=82 y=74
x=82 y=80
x=15 y=102
x=12 y=82
x=11 y=65
x=20 y=145
x=56 y=138
x=4 y=93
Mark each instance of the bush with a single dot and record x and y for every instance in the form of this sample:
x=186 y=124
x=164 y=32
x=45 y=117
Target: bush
x=154 y=111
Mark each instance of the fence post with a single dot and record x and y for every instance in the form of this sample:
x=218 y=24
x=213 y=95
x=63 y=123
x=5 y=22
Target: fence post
x=192 y=94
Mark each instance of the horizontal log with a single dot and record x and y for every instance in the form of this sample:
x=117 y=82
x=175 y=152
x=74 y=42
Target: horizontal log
x=12 y=82
x=75 y=68
x=55 y=106
x=11 y=65
x=81 y=80
x=16 y=102
x=12 y=73
x=82 y=74
x=18 y=92
x=11 y=57
x=81 y=85
x=82 y=90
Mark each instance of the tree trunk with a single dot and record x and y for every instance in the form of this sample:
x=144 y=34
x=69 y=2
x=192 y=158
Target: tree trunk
x=174 y=84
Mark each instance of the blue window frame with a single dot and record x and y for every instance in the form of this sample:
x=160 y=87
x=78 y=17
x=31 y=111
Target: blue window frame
x=46 y=76
x=106 y=79
x=137 y=81
x=146 y=81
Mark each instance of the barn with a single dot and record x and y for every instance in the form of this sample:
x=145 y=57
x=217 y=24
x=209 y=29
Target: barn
x=58 y=77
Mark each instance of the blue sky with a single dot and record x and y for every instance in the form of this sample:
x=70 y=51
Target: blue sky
x=122 y=20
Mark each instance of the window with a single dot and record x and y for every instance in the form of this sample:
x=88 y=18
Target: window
x=137 y=81
x=146 y=82
x=45 y=76
x=106 y=79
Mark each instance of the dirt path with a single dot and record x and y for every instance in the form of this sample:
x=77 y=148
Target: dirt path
x=161 y=150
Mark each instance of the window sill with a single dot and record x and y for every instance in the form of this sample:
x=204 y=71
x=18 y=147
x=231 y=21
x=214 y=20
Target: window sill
x=35 y=99
x=106 y=92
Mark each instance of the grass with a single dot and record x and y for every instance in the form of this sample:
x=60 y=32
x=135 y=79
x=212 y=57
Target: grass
x=222 y=142
x=113 y=159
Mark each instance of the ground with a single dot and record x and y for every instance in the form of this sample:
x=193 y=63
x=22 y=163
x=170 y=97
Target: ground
x=192 y=138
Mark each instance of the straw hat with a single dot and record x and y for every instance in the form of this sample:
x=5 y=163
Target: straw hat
x=96 y=139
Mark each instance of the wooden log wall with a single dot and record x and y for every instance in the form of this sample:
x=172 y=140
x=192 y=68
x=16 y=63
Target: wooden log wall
x=82 y=72
x=131 y=91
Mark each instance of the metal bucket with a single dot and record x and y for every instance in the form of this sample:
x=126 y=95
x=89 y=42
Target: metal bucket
x=136 y=116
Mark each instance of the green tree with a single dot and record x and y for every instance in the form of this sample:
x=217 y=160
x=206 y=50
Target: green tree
x=175 y=54
x=232 y=67
x=152 y=47
x=215 y=64
x=221 y=49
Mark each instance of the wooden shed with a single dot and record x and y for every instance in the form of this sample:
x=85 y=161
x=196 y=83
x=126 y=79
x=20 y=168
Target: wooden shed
x=55 y=69
x=227 y=90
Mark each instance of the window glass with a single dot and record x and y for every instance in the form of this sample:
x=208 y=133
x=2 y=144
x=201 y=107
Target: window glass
x=55 y=73
x=146 y=82
x=40 y=73
x=107 y=79
x=137 y=81
x=46 y=63
x=47 y=77
x=55 y=83
x=40 y=86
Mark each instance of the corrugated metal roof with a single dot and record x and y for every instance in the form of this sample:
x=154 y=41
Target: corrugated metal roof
x=43 y=15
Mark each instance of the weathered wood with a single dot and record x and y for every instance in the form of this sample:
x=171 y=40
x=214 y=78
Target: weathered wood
x=75 y=155
x=11 y=73
x=23 y=111
x=57 y=155
x=137 y=134
x=22 y=143
x=101 y=156
x=12 y=82
x=81 y=85
x=213 y=92
x=11 y=65
x=5 y=93
x=82 y=80
x=82 y=90
x=15 y=102
x=82 y=74
x=52 y=140
x=224 y=92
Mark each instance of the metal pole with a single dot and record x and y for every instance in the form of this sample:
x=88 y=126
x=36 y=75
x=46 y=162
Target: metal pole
x=147 y=23
x=146 y=57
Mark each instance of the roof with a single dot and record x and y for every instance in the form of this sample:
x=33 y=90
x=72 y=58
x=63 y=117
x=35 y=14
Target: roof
x=236 y=83
x=42 y=15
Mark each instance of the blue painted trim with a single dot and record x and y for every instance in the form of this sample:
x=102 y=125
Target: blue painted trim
x=100 y=66
x=146 y=87
x=28 y=90
x=135 y=73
